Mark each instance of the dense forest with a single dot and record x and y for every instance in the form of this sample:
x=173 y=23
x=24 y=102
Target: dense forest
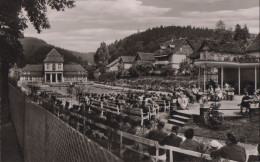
x=150 y=40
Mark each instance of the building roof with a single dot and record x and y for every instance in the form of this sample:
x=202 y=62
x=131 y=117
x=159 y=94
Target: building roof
x=32 y=70
x=254 y=46
x=53 y=57
x=127 y=59
x=74 y=70
x=113 y=63
x=170 y=47
x=219 y=47
x=146 y=56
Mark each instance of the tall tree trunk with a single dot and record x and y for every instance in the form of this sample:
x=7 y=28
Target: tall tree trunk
x=4 y=91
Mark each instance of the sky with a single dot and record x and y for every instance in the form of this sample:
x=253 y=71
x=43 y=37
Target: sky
x=85 y=26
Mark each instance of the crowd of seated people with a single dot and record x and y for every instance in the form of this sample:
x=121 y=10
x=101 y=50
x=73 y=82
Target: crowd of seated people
x=152 y=129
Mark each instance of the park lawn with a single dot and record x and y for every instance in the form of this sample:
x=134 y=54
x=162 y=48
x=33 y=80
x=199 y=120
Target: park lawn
x=246 y=129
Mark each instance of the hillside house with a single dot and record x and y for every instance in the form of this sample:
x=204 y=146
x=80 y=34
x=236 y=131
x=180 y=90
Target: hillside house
x=172 y=53
x=123 y=63
x=142 y=58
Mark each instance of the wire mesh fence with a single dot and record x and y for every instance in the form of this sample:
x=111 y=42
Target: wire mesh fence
x=44 y=137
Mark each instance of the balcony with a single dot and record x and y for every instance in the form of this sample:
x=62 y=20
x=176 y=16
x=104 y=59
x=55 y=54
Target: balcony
x=161 y=62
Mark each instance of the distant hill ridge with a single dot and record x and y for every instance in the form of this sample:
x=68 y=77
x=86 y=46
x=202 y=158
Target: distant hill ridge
x=151 y=39
x=35 y=50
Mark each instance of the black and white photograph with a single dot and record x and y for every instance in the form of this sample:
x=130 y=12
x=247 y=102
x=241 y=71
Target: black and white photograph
x=129 y=81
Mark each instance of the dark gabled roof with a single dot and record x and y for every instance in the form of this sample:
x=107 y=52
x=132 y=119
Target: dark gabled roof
x=220 y=47
x=172 y=46
x=74 y=70
x=32 y=70
x=113 y=63
x=146 y=56
x=254 y=46
x=127 y=59
x=53 y=57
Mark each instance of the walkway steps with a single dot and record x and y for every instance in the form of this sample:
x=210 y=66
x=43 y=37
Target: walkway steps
x=176 y=122
x=179 y=118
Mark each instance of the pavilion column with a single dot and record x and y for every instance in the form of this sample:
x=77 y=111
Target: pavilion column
x=255 y=78
x=204 y=78
x=222 y=77
x=51 y=77
x=56 y=78
x=45 y=77
x=239 y=82
x=199 y=78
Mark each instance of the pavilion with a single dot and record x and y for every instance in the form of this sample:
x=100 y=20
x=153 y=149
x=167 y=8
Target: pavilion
x=234 y=66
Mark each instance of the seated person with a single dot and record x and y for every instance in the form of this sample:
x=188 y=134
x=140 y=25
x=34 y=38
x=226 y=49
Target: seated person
x=231 y=150
x=214 y=145
x=256 y=98
x=195 y=91
x=189 y=143
x=172 y=140
x=183 y=101
x=253 y=158
x=125 y=125
x=158 y=135
x=190 y=94
x=245 y=103
x=219 y=93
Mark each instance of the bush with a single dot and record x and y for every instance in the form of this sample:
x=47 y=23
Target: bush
x=107 y=77
x=167 y=71
x=133 y=73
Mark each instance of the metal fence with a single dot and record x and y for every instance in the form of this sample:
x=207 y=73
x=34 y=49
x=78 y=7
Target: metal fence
x=44 y=137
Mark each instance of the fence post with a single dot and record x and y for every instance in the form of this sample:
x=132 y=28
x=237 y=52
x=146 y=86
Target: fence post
x=101 y=106
x=84 y=125
x=157 y=152
x=171 y=155
x=121 y=144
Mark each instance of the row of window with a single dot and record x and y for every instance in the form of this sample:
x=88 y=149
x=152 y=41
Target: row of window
x=31 y=78
x=48 y=66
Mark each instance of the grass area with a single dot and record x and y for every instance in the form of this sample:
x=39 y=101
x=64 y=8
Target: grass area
x=246 y=129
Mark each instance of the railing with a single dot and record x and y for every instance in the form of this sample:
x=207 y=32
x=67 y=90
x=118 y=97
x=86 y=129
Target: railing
x=144 y=141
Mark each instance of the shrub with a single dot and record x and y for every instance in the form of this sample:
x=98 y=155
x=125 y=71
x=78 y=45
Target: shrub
x=107 y=77
x=167 y=71
x=133 y=73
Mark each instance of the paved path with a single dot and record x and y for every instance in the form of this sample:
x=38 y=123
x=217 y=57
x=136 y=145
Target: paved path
x=10 y=151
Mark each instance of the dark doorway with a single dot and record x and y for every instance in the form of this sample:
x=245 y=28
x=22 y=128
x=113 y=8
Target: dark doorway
x=53 y=77
x=48 y=78
x=59 y=78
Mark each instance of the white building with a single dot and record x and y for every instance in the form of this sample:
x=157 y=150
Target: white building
x=53 y=70
x=173 y=52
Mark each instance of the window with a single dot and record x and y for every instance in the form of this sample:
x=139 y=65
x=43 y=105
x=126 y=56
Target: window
x=59 y=66
x=53 y=67
x=48 y=66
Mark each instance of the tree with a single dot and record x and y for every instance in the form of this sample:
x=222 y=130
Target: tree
x=184 y=67
x=241 y=35
x=246 y=33
x=102 y=56
x=220 y=26
x=221 y=33
x=12 y=25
